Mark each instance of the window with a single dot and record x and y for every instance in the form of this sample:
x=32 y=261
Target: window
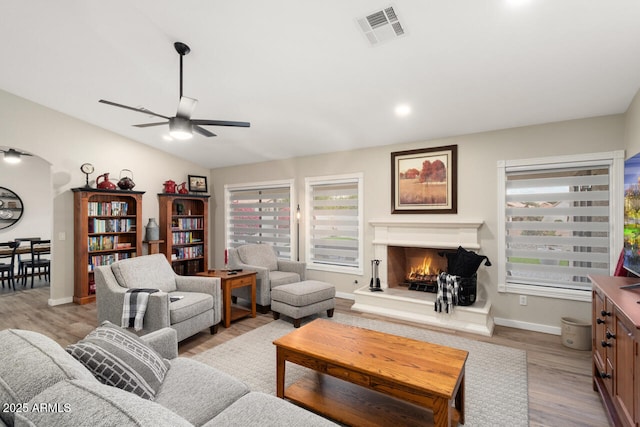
x=558 y=217
x=260 y=213
x=334 y=225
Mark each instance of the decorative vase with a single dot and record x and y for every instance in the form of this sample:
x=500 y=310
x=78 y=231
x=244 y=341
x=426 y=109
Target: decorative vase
x=152 y=230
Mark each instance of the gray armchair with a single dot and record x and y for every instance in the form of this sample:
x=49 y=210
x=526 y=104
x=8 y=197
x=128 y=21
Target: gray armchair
x=199 y=308
x=272 y=271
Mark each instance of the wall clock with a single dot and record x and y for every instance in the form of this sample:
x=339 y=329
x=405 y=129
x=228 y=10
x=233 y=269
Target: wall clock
x=11 y=208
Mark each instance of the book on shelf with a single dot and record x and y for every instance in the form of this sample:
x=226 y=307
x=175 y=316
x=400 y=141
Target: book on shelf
x=193 y=267
x=108 y=259
x=102 y=243
x=187 y=223
x=122 y=225
x=189 y=252
x=114 y=208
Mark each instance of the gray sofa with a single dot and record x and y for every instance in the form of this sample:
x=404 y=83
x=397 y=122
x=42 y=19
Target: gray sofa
x=199 y=308
x=271 y=271
x=43 y=385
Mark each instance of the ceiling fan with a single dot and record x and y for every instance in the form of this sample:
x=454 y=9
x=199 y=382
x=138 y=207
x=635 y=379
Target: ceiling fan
x=13 y=156
x=182 y=125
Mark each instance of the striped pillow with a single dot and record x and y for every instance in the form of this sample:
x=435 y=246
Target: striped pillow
x=120 y=359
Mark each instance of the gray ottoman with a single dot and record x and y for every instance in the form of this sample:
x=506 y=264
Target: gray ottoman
x=301 y=299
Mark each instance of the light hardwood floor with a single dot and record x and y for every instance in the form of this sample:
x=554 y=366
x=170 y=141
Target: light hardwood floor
x=560 y=386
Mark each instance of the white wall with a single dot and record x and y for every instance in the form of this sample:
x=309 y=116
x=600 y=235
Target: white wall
x=632 y=127
x=477 y=196
x=31 y=181
x=66 y=143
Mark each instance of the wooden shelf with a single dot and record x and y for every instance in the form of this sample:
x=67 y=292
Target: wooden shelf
x=84 y=258
x=182 y=218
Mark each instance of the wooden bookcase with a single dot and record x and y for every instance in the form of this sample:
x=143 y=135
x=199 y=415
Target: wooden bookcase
x=107 y=227
x=184 y=226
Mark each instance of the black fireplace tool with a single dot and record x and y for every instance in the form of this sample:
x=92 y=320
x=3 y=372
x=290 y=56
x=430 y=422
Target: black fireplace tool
x=374 y=286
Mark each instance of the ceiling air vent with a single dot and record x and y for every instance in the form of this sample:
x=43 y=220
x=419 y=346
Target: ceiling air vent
x=381 y=26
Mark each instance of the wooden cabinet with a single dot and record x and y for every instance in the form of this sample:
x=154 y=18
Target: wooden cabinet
x=107 y=227
x=184 y=226
x=616 y=363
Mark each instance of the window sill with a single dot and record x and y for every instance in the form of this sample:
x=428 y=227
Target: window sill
x=335 y=269
x=548 y=292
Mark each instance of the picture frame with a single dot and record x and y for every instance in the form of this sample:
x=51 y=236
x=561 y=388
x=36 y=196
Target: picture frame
x=197 y=184
x=425 y=181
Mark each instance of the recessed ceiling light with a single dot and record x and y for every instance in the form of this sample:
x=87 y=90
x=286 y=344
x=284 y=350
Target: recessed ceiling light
x=403 y=110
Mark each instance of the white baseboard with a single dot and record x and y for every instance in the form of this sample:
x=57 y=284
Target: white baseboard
x=59 y=301
x=346 y=295
x=536 y=327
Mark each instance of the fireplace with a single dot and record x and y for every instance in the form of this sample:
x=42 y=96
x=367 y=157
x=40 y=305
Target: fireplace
x=408 y=253
x=415 y=268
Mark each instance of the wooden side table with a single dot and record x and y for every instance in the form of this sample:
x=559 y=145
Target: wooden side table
x=154 y=246
x=230 y=282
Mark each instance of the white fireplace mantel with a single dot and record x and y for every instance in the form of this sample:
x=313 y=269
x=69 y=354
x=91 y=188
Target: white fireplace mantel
x=437 y=233
x=400 y=303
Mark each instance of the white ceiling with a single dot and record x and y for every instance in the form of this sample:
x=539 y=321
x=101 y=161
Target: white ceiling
x=307 y=79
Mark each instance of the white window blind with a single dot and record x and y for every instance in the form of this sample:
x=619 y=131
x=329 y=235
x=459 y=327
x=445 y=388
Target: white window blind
x=334 y=226
x=557 y=225
x=260 y=214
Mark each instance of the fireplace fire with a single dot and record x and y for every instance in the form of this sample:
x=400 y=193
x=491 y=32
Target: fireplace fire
x=415 y=268
x=423 y=272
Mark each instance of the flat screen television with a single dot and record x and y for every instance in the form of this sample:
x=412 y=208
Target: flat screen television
x=631 y=255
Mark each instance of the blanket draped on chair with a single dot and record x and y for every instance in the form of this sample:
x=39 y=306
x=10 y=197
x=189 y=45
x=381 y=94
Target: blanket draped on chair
x=134 y=307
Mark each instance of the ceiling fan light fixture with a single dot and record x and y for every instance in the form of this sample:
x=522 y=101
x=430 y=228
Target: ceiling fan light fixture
x=12 y=156
x=180 y=128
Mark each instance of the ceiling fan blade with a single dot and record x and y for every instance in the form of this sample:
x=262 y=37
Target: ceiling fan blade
x=220 y=123
x=186 y=107
x=146 y=125
x=203 y=131
x=15 y=152
x=139 y=110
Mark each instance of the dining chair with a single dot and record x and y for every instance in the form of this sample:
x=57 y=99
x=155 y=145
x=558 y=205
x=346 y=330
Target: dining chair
x=23 y=257
x=7 y=263
x=39 y=263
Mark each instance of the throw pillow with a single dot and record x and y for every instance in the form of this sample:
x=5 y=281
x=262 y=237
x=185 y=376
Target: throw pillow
x=467 y=263
x=121 y=359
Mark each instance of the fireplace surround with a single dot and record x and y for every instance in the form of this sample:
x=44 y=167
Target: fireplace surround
x=398 y=243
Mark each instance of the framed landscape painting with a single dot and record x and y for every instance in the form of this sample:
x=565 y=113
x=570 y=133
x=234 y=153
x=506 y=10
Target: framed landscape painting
x=197 y=184
x=424 y=181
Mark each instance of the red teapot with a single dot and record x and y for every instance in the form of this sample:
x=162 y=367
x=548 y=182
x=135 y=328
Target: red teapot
x=169 y=186
x=182 y=188
x=105 y=184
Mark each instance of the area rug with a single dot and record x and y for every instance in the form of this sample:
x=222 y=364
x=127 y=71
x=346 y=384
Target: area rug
x=496 y=376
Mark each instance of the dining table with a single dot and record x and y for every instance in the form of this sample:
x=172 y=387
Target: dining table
x=26 y=249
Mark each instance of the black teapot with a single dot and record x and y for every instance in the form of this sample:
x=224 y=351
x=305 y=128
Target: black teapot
x=126 y=183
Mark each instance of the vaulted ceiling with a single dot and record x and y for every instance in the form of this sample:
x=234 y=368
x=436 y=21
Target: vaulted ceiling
x=307 y=77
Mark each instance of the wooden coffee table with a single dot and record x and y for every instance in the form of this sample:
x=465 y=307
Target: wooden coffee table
x=365 y=377
x=230 y=282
